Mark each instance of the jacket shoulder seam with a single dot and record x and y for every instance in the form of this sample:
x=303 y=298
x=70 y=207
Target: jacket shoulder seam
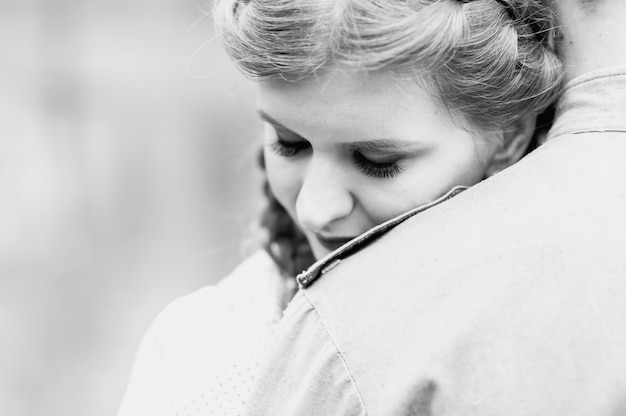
x=341 y=357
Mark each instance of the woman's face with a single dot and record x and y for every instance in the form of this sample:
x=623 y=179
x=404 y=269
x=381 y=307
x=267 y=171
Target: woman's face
x=348 y=151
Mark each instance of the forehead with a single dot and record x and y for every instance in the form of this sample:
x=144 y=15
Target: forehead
x=341 y=86
x=589 y=4
x=559 y=6
x=354 y=101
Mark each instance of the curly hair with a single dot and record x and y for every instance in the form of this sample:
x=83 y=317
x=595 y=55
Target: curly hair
x=285 y=243
x=487 y=62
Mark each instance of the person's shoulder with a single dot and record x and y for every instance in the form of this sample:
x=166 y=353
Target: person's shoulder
x=560 y=206
x=255 y=270
x=561 y=186
x=191 y=324
x=202 y=333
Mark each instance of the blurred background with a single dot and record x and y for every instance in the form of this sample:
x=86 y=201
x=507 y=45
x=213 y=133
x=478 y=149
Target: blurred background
x=127 y=178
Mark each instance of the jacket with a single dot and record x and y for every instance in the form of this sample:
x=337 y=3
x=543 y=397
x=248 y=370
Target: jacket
x=507 y=299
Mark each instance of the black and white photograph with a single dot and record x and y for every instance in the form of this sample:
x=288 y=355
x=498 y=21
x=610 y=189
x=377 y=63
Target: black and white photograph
x=313 y=207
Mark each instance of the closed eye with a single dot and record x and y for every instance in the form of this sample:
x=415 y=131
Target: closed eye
x=376 y=169
x=289 y=148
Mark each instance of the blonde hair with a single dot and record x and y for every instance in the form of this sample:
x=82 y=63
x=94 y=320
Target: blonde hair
x=489 y=61
x=492 y=61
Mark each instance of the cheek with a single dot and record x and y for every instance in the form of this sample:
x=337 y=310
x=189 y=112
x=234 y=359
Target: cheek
x=466 y=162
x=284 y=177
x=428 y=178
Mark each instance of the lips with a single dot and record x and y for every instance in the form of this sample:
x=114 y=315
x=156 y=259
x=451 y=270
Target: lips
x=332 y=243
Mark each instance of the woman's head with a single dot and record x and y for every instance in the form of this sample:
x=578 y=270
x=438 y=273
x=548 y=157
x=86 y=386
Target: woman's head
x=376 y=106
x=348 y=151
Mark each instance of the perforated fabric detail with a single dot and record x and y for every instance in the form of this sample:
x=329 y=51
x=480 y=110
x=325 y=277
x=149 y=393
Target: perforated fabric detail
x=203 y=351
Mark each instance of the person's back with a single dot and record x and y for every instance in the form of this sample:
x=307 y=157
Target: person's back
x=506 y=300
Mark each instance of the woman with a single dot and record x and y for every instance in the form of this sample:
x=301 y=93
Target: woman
x=372 y=108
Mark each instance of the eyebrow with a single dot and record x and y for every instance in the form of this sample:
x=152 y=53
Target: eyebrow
x=271 y=120
x=383 y=145
x=374 y=145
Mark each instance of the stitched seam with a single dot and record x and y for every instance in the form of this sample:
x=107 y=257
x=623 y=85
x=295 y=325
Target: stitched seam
x=343 y=360
x=600 y=131
x=593 y=78
x=591 y=131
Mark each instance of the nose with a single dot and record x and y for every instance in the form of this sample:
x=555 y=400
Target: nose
x=324 y=199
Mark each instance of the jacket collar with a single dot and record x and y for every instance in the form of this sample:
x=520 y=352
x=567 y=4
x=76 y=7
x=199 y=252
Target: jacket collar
x=592 y=103
x=332 y=259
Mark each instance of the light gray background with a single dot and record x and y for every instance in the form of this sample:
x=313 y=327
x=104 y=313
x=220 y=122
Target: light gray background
x=127 y=178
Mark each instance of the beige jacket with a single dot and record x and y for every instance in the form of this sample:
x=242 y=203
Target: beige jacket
x=507 y=300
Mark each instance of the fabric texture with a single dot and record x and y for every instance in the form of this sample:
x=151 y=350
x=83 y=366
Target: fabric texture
x=201 y=355
x=506 y=300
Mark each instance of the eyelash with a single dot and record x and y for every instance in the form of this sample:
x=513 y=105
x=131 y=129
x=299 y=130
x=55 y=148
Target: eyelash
x=289 y=148
x=381 y=170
